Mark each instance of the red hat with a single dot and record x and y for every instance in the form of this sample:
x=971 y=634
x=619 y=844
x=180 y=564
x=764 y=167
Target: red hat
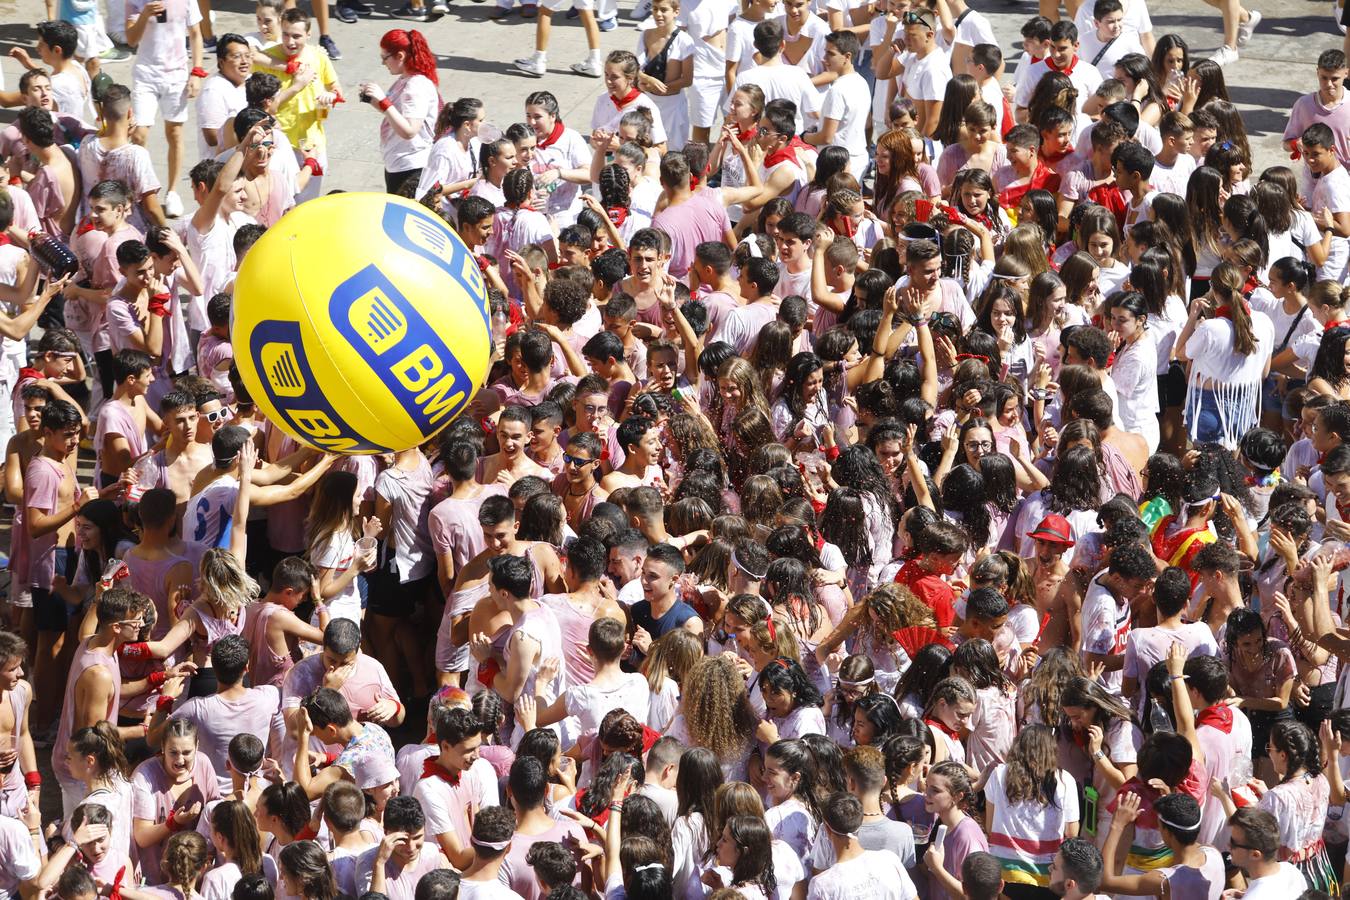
x=1053 y=529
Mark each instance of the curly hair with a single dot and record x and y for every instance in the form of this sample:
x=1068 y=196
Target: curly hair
x=717 y=710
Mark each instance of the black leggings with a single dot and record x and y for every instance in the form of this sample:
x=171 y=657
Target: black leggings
x=103 y=359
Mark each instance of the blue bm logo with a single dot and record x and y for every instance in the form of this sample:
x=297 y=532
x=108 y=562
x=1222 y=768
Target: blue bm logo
x=407 y=355
x=278 y=353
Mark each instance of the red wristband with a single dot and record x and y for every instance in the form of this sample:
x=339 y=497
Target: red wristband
x=199 y=72
x=169 y=821
x=16 y=181
x=138 y=650
x=313 y=165
x=329 y=758
x=338 y=98
x=163 y=704
x=385 y=104
x=32 y=779
x=157 y=679
x=832 y=453
x=159 y=305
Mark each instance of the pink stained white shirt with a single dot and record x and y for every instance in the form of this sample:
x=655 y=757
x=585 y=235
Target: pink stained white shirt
x=115 y=418
x=218 y=720
x=152 y=801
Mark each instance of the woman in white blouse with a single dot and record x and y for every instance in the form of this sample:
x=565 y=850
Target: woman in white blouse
x=1135 y=368
x=1228 y=347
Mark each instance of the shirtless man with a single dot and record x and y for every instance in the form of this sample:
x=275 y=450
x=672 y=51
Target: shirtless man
x=268 y=192
x=648 y=255
x=582 y=490
x=55 y=187
x=510 y=462
x=183 y=457
x=21 y=782
x=273 y=629
x=640 y=440
x=1048 y=571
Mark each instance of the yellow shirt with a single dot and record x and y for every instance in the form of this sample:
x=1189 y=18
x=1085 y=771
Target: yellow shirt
x=299 y=116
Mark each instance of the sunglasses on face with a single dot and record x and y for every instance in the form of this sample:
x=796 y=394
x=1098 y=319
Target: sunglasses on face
x=219 y=415
x=576 y=460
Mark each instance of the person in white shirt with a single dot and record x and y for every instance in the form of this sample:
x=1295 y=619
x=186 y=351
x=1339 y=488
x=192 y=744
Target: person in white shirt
x=1255 y=847
x=1107 y=40
x=409 y=109
x=164 y=79
x=1136 y=21
x=777 y=79
x=1328 y=197
x=924 y=70
x=493 y=829
x=847 y=103
x=222 y=94
x=1063 y=58
x=857 y=874
x=963 y=29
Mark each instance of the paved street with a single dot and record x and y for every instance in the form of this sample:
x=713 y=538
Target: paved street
x=474 y=55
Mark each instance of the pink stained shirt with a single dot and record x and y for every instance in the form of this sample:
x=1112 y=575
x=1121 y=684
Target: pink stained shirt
x=218 y=720
x=152 y=801
x=400 y=883
x=368 y=683
x=697 y=220
x=42 y=482
x=1308 y=110
x=518 y=873
x=115 y=418
x=84 y=660
x=453 y=525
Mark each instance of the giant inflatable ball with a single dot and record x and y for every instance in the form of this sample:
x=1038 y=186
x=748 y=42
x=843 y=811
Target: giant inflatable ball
x=361 y=323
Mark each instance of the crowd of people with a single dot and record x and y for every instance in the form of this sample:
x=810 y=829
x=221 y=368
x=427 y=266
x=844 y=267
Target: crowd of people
x=897 y=477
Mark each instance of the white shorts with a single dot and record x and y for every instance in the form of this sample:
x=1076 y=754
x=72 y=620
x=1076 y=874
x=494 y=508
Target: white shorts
x=149 y=99
x=705 y=101
x=91 y=39
x=560 y=5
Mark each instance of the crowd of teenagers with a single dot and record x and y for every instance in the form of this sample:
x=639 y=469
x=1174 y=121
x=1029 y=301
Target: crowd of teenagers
x=898 y=478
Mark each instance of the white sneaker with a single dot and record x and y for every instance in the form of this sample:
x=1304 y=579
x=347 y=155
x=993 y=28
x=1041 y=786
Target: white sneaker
x=1336 y=16
x=642 y=10
x=531 y=65
x=590 y=68
x=173 y=205
x=1224 y=56
x=1246 y=28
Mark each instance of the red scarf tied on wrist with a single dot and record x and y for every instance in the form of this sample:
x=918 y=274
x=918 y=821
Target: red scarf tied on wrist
x=621 y=102
x=432 y=769
x=553 y=136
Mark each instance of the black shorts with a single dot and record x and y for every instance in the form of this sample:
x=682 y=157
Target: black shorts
x=50 y=612
x=1172 y=387
x=395 y=599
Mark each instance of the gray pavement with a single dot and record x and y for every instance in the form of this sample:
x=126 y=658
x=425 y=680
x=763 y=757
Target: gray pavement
x=474 y=56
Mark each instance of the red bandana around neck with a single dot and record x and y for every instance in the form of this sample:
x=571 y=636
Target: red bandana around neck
x=617 y=214
x=1067 y=70
x=1219 y=716
x=553 y=136
x=621 y=102
x=1226 y=311
x=941 y=726
x=748 y=135
x=433 y=769
x=1251 y=285
x=788 y=152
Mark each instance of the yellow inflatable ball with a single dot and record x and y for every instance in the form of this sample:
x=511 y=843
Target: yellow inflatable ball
x=361 y=323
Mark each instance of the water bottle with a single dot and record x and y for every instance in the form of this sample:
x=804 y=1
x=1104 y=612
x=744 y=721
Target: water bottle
x=1158 y=718
x=54 y=257
x=500 y=321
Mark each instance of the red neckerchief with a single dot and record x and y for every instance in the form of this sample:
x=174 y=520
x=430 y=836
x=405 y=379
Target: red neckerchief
x=85 y=227
x=1219 y=716
x=432 y=769
x=1195 y=783
x=1226 y=311
x=621 y=102
x=1067 y=70
x=1109 y=195
x=788 y=152
x=942 y=727
x=483 y=263
x=553 y=136
x=29 y=372
x=748 y=135
x=1251 y=285
x=5 y=239
x=649 y=737
x=1336 y=324
x=617 y=214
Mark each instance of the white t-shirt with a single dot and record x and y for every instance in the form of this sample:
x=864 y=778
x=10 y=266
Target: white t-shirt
x=873 y=875
x=925 y=79
x=1210 y=349
x=1103 y=54
x=1332 y=192
x=336 y=552
x=19 y=862
x=1103 y=625
x=162 y=55
x=1287 y=882
x=1172 y=179
x=219 y=99
x=607 y=115
x=590 y=704
x=784 y=82
x=1136 y=19
x=416 y=99
x=849 y=100
x=1082 y=74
